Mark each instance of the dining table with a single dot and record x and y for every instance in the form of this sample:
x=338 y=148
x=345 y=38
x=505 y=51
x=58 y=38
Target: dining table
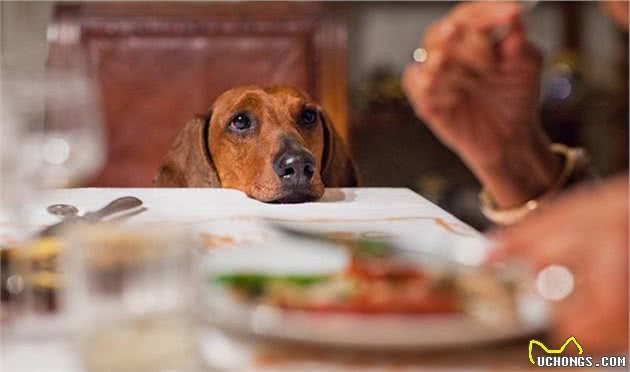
x=216 y=215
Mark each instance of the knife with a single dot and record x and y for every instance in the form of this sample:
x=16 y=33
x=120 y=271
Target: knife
x=125 y=203
x=449 y=257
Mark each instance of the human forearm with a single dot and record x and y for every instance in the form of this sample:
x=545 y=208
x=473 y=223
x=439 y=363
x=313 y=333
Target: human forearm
x=524 y=170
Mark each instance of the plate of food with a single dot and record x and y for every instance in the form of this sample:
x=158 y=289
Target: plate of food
x=363 y=294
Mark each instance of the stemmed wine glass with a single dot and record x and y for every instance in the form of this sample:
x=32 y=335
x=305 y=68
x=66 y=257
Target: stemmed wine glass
x=52 y=137
x=58 y=122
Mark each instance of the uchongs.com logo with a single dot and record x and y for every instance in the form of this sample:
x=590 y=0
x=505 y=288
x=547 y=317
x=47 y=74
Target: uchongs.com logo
x=554 y=358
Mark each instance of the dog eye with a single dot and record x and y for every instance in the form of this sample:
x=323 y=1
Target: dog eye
x=308 y=117
x=240 y=123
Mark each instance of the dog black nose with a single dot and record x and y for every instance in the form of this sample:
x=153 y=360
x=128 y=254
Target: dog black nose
x=294 y=167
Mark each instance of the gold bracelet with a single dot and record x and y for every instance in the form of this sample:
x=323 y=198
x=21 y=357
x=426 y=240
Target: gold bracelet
x=572 y=157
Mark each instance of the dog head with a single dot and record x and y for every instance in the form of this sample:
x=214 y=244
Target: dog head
x=274 y=144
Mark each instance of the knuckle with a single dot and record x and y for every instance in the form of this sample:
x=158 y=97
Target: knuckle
x=464 y=9
x=410 y=78
x=405 y=77
x=431 y=34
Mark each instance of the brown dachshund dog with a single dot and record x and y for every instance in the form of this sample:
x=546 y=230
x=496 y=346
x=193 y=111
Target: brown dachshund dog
x=274 y=144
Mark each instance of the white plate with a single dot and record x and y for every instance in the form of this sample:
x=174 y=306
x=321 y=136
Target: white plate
x=358 y=331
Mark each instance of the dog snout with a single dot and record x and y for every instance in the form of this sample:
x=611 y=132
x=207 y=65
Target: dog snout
x=294 y=167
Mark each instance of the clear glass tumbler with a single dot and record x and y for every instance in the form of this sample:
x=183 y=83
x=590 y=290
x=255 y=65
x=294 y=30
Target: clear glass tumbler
x=130 y=294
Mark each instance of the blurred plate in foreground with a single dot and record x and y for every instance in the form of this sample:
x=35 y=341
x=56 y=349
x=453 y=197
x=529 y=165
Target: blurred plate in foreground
x=297 y=290
x=382 y=332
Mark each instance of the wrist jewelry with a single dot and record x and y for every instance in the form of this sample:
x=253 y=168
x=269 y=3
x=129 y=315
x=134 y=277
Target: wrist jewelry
x=573 y=157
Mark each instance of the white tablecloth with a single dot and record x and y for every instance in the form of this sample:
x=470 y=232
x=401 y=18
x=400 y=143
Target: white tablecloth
x=194 y=205
x=395 y=211
x=399 y=213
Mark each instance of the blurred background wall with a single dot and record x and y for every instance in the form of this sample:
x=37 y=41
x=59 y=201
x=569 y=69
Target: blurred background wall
x=380 y=33
x=374 y=41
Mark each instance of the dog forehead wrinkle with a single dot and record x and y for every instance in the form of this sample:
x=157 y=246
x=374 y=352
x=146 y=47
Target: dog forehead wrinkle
x=286 y=110
x=293 y=104
x=276 y=114
x=247 y=101
x=284 y=91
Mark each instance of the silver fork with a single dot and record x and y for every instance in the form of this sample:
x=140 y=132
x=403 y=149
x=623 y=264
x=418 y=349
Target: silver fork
x=501 y=32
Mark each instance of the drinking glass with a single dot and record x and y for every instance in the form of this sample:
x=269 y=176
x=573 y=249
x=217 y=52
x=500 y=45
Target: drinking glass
x=56 y=120
x=51 y=136
x=130 y=294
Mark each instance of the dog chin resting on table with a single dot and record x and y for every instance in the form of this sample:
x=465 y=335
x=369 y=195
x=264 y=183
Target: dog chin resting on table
x=274 y=144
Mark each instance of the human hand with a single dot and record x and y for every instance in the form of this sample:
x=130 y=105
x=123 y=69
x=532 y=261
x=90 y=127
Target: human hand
x=585 y=231
x=480 y=96
x=618 y=11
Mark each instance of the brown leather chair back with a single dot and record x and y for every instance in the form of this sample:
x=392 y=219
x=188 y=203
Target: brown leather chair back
x=160 y=63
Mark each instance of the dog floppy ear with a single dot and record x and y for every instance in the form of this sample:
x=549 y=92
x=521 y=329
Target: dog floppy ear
x=338 y=169
x=188 y=162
